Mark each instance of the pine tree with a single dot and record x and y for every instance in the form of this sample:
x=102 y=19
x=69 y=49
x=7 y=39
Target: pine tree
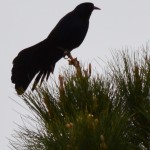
x=91 y=112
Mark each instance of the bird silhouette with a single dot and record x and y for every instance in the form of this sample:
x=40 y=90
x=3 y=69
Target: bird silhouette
x=41 y=58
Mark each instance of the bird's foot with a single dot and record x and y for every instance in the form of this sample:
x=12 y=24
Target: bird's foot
x=73 y=61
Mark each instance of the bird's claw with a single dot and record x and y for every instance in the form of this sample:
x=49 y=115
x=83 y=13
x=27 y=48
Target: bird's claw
x=73 y=61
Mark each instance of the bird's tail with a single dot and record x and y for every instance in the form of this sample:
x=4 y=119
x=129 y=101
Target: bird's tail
x=38 y=59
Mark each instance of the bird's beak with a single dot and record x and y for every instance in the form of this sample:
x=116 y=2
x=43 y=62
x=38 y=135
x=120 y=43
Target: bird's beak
x=96 y=8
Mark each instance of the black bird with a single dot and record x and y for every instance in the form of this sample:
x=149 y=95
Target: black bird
x=41 y=58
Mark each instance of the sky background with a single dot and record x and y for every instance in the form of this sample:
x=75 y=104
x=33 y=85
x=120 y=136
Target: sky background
x=120 y=24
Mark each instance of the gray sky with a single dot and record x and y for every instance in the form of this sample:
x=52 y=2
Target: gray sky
x=120 y=23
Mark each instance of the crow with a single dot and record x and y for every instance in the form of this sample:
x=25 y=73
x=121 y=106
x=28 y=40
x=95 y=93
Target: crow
x=39 y=60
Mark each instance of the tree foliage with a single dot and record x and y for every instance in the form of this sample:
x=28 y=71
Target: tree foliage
x=93 y=112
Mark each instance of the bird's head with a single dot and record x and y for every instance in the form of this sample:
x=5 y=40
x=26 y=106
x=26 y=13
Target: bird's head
x=85 y=9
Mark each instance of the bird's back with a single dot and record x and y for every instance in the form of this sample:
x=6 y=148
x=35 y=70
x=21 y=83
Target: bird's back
x=70 y=31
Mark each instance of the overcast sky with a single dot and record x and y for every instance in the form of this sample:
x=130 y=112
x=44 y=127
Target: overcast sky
x=119 y=24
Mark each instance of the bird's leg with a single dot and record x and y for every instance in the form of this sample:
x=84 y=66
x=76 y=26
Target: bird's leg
x=75 y=63
x=64 y=51
x=72 y=61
